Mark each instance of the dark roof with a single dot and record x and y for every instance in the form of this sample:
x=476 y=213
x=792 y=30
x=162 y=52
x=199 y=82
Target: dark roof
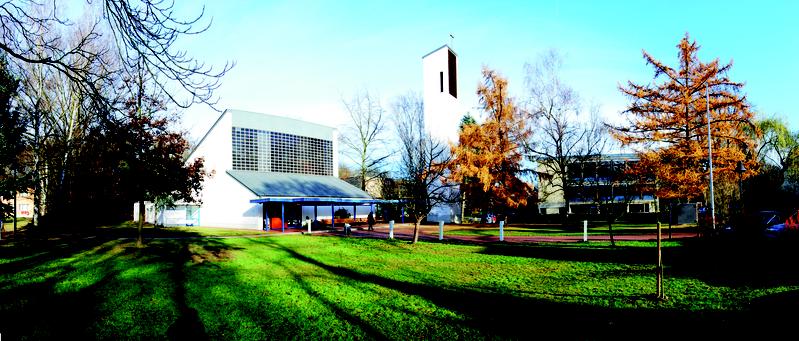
x=273 y=184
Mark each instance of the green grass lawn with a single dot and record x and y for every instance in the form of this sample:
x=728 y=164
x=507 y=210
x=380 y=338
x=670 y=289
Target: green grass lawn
x=315 y=287
x=129 y=229
x=8 y=225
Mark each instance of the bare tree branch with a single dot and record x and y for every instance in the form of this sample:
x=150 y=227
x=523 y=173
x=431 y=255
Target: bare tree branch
x=425 y=161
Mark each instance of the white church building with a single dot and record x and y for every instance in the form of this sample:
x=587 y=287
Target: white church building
x=268 y=172
x=265 y=172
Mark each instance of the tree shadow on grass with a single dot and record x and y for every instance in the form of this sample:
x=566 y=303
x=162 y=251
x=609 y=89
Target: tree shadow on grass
x=775 y=315
x=178 y=255
x=31 y=303
x=512 y=316
x=760 y=264
x=753 y=263
x=369 y=330
x=27 y=253
x=68 y=286
x=576 y=253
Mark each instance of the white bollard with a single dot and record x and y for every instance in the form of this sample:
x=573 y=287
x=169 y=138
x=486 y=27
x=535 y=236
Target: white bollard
x=501 y=230
x=440 y=230
x=390 y=229
x=308 y=221
x=585 y=230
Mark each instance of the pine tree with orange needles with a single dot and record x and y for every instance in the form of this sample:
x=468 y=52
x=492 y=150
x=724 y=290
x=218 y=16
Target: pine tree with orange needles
x=667 y=123
x=490 y=152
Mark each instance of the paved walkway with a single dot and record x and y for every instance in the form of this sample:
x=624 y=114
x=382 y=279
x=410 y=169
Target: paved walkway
x=430 y=232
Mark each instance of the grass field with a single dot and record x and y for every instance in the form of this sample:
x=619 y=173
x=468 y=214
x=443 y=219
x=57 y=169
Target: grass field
x=313 y=287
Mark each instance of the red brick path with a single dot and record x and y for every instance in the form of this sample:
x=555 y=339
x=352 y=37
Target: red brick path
x=430 y=232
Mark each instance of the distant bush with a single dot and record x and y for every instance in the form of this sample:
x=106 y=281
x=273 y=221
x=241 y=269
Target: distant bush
x=342 y=213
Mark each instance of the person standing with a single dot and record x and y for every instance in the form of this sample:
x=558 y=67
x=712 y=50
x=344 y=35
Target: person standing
x=370 y=219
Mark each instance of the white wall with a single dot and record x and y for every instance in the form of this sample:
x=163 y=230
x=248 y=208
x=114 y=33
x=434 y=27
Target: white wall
x=442 y=111
x=225 y=202
x=335 y=152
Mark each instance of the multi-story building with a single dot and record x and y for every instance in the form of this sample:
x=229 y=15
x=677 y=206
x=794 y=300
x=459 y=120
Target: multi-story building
x=593 y=182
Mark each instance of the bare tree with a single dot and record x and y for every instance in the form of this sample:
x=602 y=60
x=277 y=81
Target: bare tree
x=363 y=135
x=74 y=76
x=562 y=139
x=424 y=161
x=60 y=110
x=144 y=33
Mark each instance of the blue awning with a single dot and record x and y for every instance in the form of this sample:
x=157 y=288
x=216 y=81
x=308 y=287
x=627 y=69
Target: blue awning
x=323 y=200
x=288 y=185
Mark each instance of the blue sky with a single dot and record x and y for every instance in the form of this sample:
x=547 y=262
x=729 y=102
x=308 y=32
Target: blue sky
x=300 y=58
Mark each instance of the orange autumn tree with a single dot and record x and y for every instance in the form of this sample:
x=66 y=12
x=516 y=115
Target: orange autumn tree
x=667 y=124
x=489 y=153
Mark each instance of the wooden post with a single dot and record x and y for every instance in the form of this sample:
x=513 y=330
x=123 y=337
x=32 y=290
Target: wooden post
x=659 y=268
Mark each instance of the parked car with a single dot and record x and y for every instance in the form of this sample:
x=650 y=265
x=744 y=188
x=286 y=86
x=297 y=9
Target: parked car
x=774 y=231
x=788 y=227
x=753 y=225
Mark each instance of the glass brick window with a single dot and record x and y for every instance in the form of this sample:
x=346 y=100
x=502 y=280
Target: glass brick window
x=268 y=151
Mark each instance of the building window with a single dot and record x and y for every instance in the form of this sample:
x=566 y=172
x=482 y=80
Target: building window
x=268 y=151
x=441 y=80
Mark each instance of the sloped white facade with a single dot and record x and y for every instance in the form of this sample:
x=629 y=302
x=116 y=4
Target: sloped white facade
x=225 y=202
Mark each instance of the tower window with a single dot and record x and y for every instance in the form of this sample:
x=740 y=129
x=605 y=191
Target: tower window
x=441 y=80
x=453 y=77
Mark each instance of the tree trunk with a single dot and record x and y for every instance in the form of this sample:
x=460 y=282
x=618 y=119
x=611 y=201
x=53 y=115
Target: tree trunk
x=463 y=206
x=141 y=224
x=659 y=268
x=363 y=179
x=15 y=213
x=671 y=215
x=610 y=233
x=37 y=181
x=415 y=231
